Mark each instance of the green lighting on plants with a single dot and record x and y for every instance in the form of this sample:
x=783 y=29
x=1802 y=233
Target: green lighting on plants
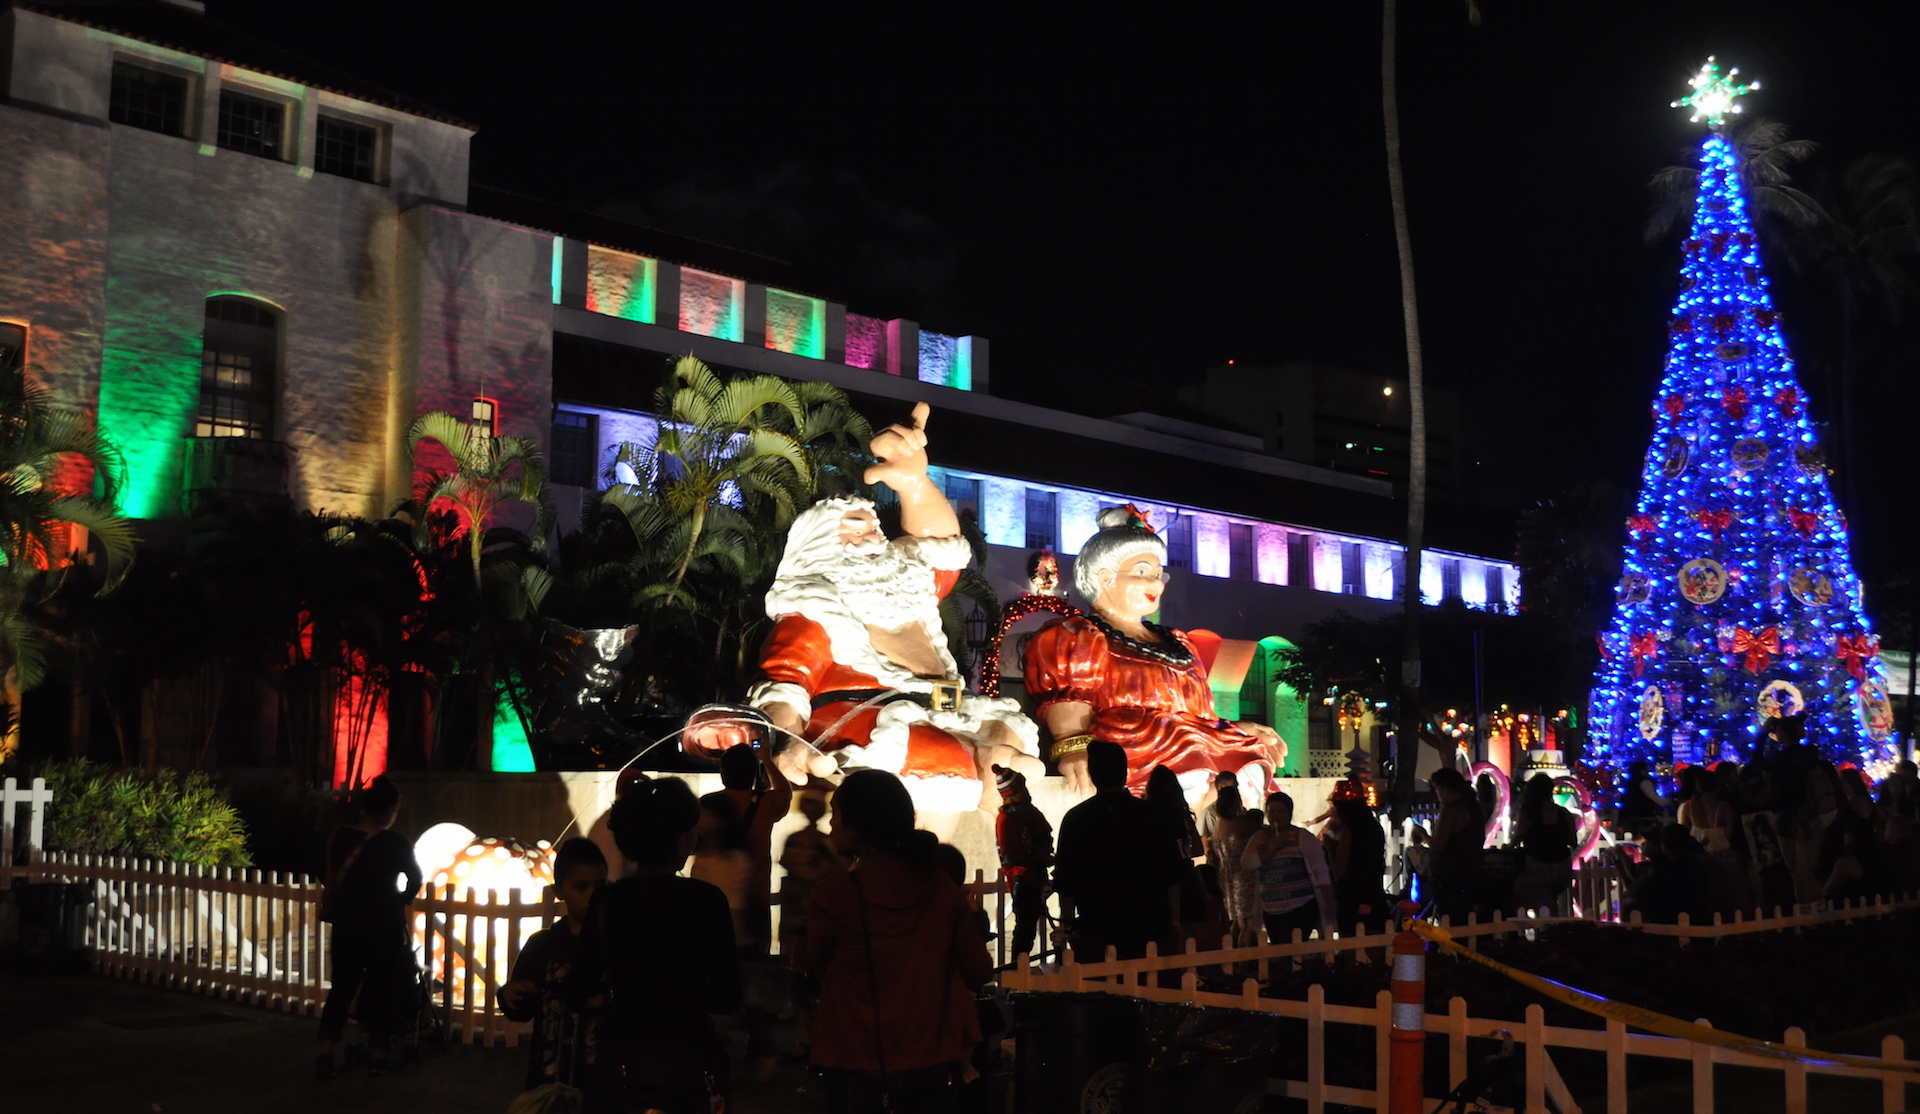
x=512 y=753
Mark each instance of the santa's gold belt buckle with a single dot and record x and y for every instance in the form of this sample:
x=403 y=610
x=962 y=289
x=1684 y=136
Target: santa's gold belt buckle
x=945 y=697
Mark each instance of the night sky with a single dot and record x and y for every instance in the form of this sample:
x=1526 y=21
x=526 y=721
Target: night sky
x=1120 y=193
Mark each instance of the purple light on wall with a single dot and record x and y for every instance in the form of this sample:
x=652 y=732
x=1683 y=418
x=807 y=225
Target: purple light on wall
x=866 y=342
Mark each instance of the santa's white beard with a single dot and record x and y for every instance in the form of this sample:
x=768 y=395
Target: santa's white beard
x=885 y=589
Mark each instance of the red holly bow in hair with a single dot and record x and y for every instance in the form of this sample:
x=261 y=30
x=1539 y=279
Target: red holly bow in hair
x=1759 y=648
x=1804 y=521
x=1675 y=404
x=1788 y=400
x=1641 y=523
x=1716 y=520
x=1642 y=647
x=1735 y=401
x=1855 y=650
x=1137 y=517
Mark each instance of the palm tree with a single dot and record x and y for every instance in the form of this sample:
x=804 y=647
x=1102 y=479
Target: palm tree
x=720 y=443
x=1861 y=253
x=1409 y=719
x=487 y=472
x=1767 y=157
x=58 y=481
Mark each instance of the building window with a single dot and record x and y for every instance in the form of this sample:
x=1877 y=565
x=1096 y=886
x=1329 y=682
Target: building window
x=1450 y=579
x=1351 y=576
x=964 y=494
x=149 y=99
x=1043 y=518
x=1240 y=550
x=486 y=416
x=1496 y=588
x=575 y=449
x=13 y=345
x=1300 y=560
x=239 y=367
x=345 y=148
x=252 y=125
x=1180 y=542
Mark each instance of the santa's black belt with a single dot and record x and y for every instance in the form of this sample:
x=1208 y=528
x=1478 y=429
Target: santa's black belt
x=945 y=697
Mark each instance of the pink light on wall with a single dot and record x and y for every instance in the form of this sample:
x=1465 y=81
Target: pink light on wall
x=866 y=342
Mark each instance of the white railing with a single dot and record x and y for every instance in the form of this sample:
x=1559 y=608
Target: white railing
x=35 y=798
x=1141 y=979
x=257 y=936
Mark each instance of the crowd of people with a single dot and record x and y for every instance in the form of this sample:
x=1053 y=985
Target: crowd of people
x=1784 y=829
x=880 y=950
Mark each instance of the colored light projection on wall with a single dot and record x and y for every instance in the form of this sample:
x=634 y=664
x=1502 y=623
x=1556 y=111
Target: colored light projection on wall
x=512 y=753
x=559 y=258
x=149 y=391
x=359 y=731
x=944 y=360
x=620 y=284
x=796 y=324
x=866 y=342
x=1738 y=604
x=712 y=305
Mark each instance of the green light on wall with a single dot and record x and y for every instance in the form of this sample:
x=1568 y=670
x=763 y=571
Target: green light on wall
x=796 y=324
x=620 y=284
x=512 y=753
x=147 y=403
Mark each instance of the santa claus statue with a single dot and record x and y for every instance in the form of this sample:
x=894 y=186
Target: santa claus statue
x=1114 y=676
x=857 y=663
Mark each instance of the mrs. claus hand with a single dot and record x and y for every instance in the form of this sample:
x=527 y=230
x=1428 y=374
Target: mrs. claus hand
x=901 y=451
x=1276 y=747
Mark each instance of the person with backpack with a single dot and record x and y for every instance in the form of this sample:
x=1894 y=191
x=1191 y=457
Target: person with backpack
x=371 y=878
x=894 y=945
x=656 y=959
x=761 y=797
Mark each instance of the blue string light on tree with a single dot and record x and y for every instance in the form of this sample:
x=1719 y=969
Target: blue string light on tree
x=1738 y=609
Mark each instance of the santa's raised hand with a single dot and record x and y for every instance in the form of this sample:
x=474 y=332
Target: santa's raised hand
x=902 y=453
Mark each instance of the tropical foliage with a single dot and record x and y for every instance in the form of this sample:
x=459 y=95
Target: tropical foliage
x=485 y=473
x=182 y=818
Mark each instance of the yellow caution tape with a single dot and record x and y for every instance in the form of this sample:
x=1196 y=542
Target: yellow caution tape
x=1658 y=1023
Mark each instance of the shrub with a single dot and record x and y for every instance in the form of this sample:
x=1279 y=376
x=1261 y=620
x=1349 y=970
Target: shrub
x=102 y=810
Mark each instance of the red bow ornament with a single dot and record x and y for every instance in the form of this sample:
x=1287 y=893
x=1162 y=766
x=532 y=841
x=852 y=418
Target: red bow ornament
x=1680 y=326
x=1642 y=647
x=1759 y=648
x=1788 y=400
x=1735 y=401
x=1675 y=404
x=1855 y=650
x=1717 y=520
x=1641 y=523
x=1804 y=521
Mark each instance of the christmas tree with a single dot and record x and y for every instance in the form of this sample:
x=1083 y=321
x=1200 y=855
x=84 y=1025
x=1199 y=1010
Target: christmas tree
x=1738 y=610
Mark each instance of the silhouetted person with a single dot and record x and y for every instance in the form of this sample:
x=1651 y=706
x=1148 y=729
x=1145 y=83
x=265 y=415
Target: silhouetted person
x=1117 y=872
x=1025 y=838
x=371 y=877
x=566 y=1046
x=656 y=957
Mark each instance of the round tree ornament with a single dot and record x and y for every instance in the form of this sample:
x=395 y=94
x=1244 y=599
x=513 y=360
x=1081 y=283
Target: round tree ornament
x=1653 y=713
x=1702 y=581
x=1780 y=698
x=1811 y=587
x=1876 y=711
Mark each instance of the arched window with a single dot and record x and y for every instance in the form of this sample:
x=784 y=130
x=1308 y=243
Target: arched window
x=239 y=370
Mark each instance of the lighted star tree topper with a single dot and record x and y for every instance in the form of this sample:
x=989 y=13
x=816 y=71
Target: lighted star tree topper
x=1738 y=604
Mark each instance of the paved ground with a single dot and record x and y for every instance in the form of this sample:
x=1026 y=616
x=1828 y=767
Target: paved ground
x=85 y=1044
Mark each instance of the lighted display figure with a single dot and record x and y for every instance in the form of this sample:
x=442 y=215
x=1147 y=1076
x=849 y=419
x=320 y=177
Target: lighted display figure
x=857 y=662
x=1738 y=603
x=1114 y=676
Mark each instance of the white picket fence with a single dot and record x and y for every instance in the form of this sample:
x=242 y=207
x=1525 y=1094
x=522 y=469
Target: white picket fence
x=35 y=799
x=1143 y=978
x=256 y=936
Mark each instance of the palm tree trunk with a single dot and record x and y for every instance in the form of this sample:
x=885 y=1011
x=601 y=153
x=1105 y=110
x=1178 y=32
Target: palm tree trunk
x=1408 y=750
x=693 y=542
